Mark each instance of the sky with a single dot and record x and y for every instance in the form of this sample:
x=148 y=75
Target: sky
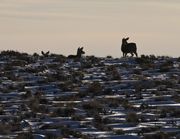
x=61 y=26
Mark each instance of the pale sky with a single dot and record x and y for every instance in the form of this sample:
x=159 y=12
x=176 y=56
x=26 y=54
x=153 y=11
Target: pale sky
x=62 y=26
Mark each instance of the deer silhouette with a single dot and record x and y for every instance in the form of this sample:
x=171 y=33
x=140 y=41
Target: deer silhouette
x=45 y=54
x=128 y=48
x=79 y=53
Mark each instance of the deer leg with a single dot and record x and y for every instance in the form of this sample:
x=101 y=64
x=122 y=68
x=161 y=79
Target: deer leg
x=136 y=54
x=132 y=54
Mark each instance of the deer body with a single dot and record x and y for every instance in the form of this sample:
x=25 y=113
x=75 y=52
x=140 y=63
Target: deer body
x=128 y=48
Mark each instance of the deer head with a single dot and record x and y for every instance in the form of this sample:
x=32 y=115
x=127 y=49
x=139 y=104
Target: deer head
x=124 y=40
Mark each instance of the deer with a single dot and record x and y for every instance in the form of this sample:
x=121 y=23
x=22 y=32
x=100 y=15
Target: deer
x=128 y=48
x=78 y=55
x=45 y=54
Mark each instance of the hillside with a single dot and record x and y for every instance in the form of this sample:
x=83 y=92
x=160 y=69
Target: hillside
x=52 y=97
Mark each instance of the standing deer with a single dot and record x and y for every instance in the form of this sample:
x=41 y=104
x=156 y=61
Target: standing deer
x=79 y=53
x=128 y=48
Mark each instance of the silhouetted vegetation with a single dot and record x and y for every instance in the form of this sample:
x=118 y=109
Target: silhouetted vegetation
x=64 y=112
x=132 y=118
x=95 y=88
x=113 y=73
x=158 y=135
x=25 y=135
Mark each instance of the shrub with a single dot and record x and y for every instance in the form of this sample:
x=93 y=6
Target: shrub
x=158 y=135
x=25 y=136
x=93 y=106
x=145 y=62
x=1 y=110
x=77 y=117
x=113 y=72
x=27 y=95
x=172 y=112
x=119 y=132
x=65 y=112
x=100 y=123
x=166 y=66
x=95 y=87
x=5 y=129
x=132 y=117
x=66 y=132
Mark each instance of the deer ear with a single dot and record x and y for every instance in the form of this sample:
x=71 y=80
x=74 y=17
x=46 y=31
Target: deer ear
x=127 y=38
x=82 y=48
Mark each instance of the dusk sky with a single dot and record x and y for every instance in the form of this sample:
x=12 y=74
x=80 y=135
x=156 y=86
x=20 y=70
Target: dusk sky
x=98 y=25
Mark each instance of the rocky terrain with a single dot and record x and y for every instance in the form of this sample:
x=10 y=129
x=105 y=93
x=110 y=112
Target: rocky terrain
x=53 y=97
